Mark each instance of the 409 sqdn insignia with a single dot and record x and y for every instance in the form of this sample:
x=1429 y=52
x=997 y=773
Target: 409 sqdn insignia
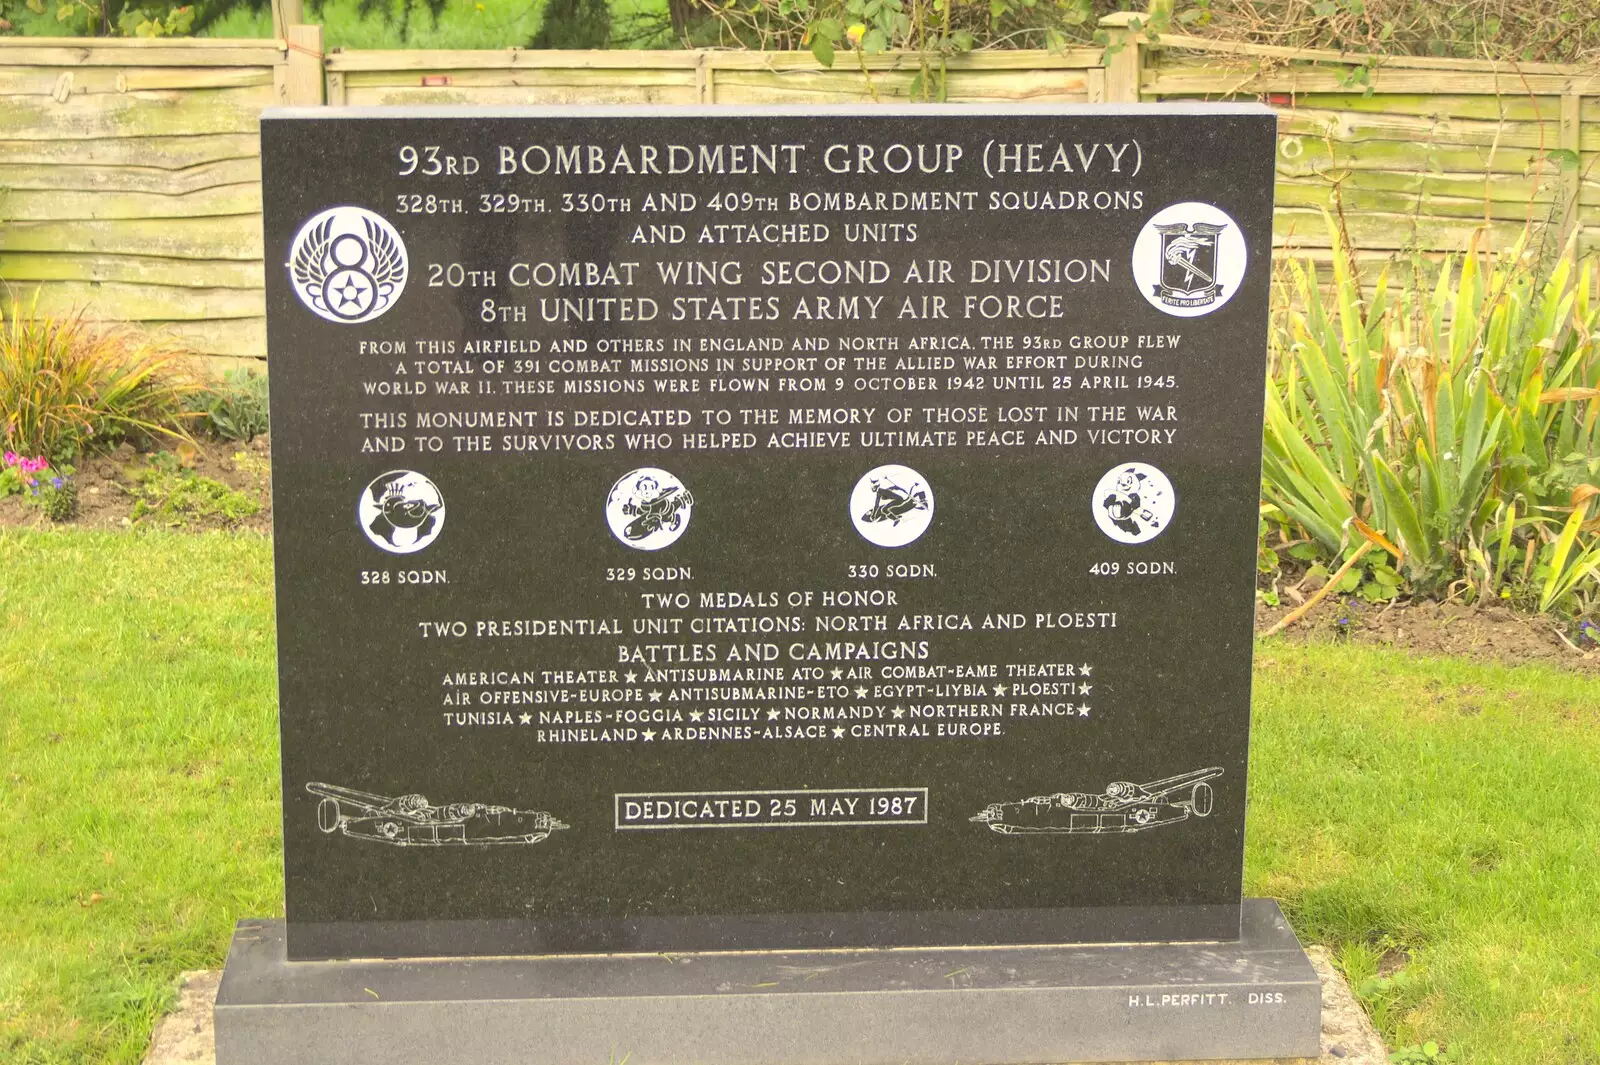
x=1189 y=259
x=1134 y=502
x=348 y=265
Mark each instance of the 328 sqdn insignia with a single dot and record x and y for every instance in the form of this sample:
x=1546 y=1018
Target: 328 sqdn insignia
x=1189 y=259
x=348 y=264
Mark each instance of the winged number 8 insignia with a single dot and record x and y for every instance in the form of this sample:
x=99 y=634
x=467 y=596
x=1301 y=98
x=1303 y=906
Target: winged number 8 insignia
x=348 y=264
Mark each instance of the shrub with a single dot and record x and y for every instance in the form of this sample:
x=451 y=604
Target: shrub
x=117 y=18
x=235 y=409
x=67 y=384
x=176 y=496
x=1456 y=428
x=428 y=23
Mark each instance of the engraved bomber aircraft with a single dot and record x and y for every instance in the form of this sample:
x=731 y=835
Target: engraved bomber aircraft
x=1125 y=807
x=410 y=821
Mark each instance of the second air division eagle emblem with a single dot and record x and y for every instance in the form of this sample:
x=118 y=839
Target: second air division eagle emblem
x=1189 y=264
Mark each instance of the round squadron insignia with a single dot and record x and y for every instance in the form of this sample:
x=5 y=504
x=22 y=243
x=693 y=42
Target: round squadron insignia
x=401 y=511
x=1189 y=259
x=891 y=505
x=1134 y=502
x=348 y=265
x=648 y=509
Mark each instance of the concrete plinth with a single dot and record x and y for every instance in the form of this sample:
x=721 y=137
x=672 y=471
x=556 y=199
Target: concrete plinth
x=1257 y=998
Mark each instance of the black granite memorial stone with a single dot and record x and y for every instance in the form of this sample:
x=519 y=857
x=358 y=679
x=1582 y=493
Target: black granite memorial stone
x=777 y=530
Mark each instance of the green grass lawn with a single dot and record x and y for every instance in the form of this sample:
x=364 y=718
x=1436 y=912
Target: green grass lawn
x=1440 y=814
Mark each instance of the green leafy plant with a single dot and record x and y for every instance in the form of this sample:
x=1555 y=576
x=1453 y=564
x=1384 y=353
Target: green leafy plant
x=1456 y=427
x=235 y=408
x=1419 y=1054
x=387 y=24
x=67 y=385
x=167 y=491
x=133 y=18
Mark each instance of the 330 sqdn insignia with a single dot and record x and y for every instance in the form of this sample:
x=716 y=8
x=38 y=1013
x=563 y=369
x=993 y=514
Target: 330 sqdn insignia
x=348 y=265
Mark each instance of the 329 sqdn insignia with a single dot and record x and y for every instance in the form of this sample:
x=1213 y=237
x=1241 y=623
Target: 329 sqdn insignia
x=348 y=265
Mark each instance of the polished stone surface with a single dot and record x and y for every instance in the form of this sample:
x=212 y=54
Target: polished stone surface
x=962 y=653
x=1256 y=998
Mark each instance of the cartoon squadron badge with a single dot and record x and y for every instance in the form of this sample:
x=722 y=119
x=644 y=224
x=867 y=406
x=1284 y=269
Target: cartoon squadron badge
x=648 y=509
x=891 y=505
x=401 y=511
x=1134 y=502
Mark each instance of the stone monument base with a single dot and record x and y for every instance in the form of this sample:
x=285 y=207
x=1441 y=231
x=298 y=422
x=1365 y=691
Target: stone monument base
x=1257 y=998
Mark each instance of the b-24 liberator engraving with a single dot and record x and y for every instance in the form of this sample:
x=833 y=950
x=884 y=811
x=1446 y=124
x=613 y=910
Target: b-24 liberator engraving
x=1124 y=807
x=411 y=821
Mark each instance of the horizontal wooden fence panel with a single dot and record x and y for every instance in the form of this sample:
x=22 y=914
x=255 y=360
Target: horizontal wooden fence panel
x=24 y=266
x=130 y=170
x=1412 y=157
x=234 y=338
x=843 y=85
x=167 y=112
x=166 y=153
x=130 y=183
x=44 y=204
x=151 y=179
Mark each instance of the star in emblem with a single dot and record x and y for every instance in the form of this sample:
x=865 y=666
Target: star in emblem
x=861 y=693
x=655 y=697
x=696 y=715
x=837 y=673
x=999 y=689
x=772 y=715
x=899 y=711
x=1085 y=669
x=350 y=293
x=649 y=734
x=1083 y=709
x=1083 y=689
x=838 y=732
x=525 y=719
x=631 y=677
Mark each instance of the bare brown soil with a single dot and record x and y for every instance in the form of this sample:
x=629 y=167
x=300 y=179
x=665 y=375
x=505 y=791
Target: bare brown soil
x=108 y=492
x=1491 y=633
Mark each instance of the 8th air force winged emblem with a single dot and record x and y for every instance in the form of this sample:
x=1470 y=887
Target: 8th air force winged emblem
x=348 y=264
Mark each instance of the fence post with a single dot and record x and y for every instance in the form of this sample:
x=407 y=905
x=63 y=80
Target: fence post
x=286 y=13
x=1125 y=63
x=303 y=84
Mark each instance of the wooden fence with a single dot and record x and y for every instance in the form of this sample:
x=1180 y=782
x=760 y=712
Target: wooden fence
x=130 y=174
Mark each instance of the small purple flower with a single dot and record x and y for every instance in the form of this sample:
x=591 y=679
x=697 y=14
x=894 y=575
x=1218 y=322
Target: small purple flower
x=56 y=482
